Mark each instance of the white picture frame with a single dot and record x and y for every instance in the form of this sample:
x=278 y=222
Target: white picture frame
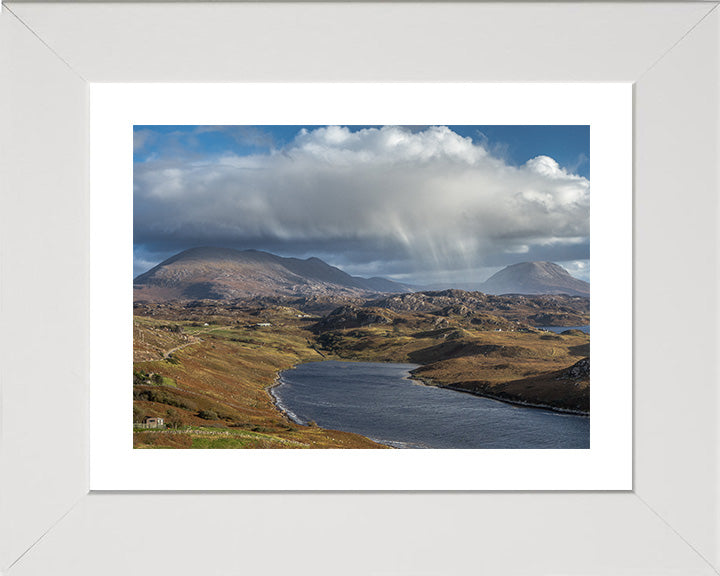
x=668 y=523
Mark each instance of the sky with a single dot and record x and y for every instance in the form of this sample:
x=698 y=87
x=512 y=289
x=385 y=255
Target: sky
x=426 y=205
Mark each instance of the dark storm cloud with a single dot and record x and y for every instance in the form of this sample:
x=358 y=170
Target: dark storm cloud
x=393 y=200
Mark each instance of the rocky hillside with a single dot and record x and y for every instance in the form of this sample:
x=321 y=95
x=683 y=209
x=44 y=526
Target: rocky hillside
x=566 y=390
x=537 y=310
x=350 y=316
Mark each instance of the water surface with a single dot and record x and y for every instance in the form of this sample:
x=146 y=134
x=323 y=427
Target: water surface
x=379 y=401
x=558 y=329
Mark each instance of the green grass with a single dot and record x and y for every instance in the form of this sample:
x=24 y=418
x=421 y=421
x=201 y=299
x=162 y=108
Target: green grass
x=224 y=332
x=239 y=439
x=151 y=378
x=168 y=382
x=225 y=442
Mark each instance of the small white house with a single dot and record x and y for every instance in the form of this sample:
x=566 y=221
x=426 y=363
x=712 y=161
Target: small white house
x=155 y=422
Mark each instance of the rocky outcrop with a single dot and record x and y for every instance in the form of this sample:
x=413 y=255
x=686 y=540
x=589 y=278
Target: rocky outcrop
x=578 y=371
x=350 y=317
x=536 y=310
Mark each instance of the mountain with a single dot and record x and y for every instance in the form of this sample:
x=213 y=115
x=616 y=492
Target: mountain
x=534 y=278
x=224 y=273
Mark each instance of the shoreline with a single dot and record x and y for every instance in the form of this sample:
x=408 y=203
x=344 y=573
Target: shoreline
x=425 y=381
x=276 y=401
x=291 y=417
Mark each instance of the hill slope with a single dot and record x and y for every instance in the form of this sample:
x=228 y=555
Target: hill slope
x=534 y=309
x=224 y=273
x=535 y=278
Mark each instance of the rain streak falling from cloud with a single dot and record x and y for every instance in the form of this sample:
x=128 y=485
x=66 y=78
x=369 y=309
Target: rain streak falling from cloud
x=390 y=201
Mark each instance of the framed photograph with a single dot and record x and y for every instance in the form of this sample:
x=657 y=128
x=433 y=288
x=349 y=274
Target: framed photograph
x=423 y=202
x=231 y=128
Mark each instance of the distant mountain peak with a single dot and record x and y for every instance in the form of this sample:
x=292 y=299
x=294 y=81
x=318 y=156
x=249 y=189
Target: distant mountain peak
x=535 y=278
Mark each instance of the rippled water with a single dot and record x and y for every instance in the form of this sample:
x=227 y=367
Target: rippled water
x=379 y=401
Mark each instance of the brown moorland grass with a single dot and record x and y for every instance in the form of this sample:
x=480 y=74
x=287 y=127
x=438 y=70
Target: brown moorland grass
x=223 y=362
x=221 y=383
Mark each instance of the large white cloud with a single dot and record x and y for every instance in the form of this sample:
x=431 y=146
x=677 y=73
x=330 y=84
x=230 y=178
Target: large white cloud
x=422 y=199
